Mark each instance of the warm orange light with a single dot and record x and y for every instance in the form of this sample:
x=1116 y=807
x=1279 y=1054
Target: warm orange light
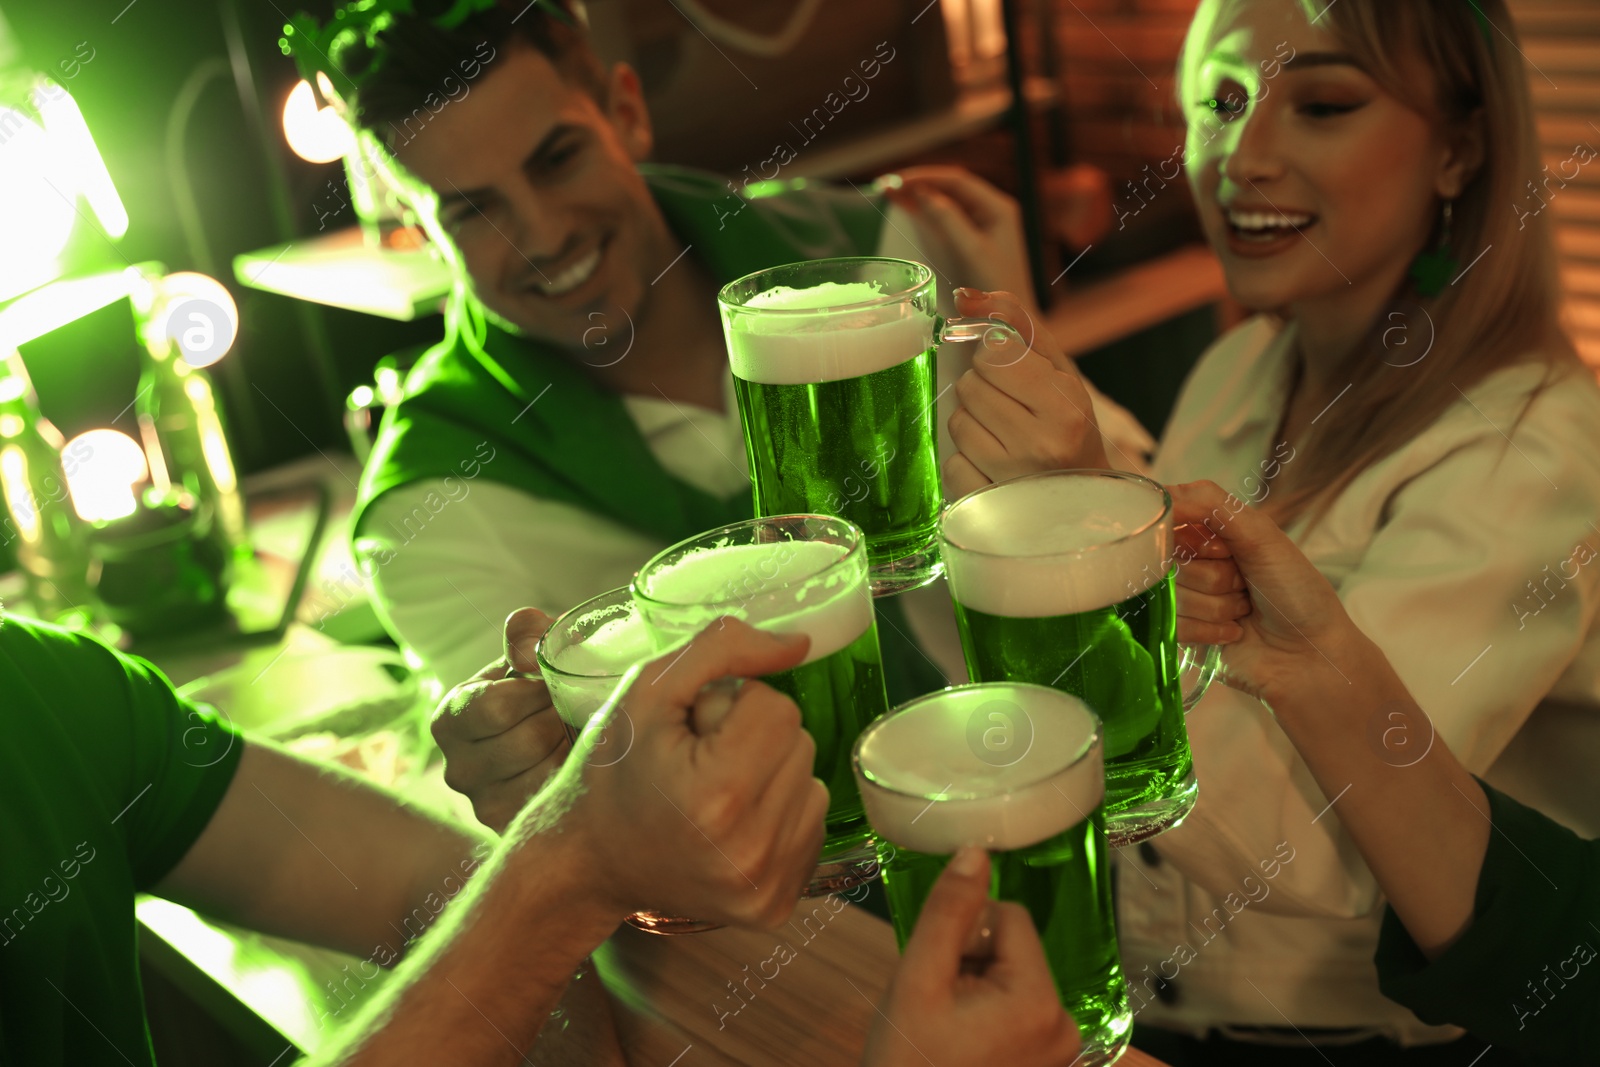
x=317 y=135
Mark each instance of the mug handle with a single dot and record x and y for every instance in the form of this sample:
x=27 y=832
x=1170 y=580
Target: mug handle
x=970 y=329
x=1203 y=662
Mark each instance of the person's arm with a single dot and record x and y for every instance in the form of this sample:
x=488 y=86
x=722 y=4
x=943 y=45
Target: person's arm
x=1460 y=528
x=1492 y=905
x=719 y=819
x=1419 y=819
x=313 y=852
x=444 y=573
x=1523 y=976
x=479 y=989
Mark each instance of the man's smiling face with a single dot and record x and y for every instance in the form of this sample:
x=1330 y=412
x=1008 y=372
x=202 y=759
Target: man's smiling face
x=538 y=188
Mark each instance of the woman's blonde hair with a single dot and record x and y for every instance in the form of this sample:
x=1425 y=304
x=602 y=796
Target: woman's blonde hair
x=1504 y=310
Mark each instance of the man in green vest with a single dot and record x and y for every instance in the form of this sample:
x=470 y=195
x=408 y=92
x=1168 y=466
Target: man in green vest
x=578 y=416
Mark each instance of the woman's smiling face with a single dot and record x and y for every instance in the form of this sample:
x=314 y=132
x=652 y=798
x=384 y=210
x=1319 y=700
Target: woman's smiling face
x=1312 y=181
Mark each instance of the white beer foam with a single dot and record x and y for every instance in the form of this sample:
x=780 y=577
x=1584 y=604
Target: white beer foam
x=615 y=646
x=754 y=582
x=936 y=747
x=803 y=349
x=815 y=297
x=1028 y=527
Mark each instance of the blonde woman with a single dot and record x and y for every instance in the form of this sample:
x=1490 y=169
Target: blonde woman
x=1407 y=407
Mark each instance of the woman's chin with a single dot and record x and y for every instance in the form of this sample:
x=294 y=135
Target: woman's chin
x=1261 y=298
x=1260 y=290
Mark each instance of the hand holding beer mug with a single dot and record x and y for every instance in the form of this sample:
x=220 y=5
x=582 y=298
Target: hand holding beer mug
x=1024 y=409
x=583 y=657
x=499 y=731
x=1252 y=590
x=792 y=574
x=974 y=1013
x=935 y=777
x=725 y=825
x=1066 y=579
x=833 y=366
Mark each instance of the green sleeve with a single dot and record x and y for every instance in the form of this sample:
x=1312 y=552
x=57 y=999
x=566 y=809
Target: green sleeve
x=190 y=753
x=155 y=766
x=1524 y=975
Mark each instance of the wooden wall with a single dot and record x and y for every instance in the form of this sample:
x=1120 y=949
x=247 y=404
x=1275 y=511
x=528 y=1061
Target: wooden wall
x=1119 y=58
x=1561 y=39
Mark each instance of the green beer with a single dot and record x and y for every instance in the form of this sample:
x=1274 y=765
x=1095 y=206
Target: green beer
x=1122 y=658
x=831 y=448
x=838 y=695
x=790 y=574
x=1066 y=579
x=833 y=364
x=1017 y=770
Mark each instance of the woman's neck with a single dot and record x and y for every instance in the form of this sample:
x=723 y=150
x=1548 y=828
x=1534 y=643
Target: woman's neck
x=1330 y=328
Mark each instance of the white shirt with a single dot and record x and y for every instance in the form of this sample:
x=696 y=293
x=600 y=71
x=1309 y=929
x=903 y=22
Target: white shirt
x=465 y=556
x=1432 y=551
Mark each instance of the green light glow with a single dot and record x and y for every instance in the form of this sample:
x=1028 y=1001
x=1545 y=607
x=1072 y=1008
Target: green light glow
x=57 y=304
x=281 y=983
x=213 y=442
x=36 y=205
x=74 y=146
x=19 y=493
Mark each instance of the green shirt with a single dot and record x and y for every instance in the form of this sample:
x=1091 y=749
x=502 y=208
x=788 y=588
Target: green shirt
x=1524 y=976
x=106 y=779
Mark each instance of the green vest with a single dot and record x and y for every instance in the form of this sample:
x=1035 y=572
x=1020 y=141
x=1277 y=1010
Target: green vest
x=483 y=388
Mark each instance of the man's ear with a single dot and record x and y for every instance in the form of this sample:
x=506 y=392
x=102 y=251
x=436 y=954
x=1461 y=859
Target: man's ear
x=1463 y=158
x=626 y=109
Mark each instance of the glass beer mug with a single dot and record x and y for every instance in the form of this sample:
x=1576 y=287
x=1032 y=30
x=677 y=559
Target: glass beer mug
x=834 y=369
x=1065 y=579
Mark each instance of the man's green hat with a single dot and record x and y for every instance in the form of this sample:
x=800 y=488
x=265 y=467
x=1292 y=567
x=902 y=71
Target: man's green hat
x=322 y=51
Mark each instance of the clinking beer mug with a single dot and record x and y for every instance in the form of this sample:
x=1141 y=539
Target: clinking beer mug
x=834 y=369
x=932 y=783
x=584 y=658
x=1065 y=579
x=791 y=574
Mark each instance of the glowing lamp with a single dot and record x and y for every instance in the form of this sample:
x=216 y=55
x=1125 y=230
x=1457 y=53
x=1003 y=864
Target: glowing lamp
x=316 y=134
x=36 y=205
x=75 y=148
x=103 y=468
x=198 y=316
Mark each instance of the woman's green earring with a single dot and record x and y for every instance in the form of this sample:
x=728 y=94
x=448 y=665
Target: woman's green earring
x=1432 y=271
